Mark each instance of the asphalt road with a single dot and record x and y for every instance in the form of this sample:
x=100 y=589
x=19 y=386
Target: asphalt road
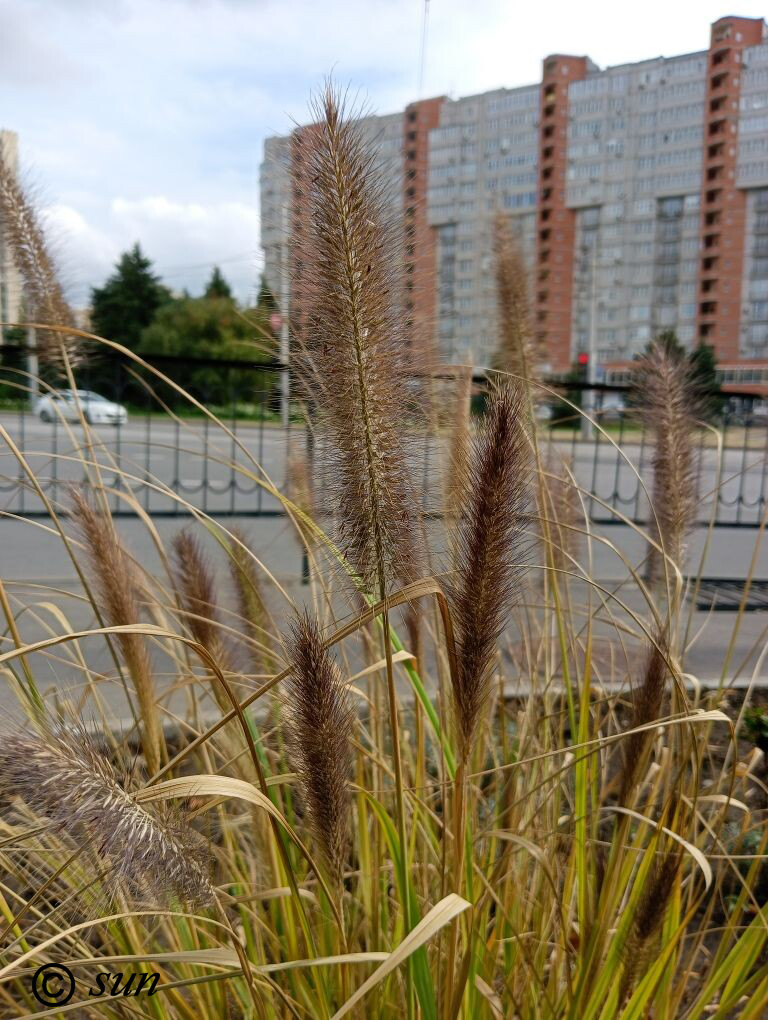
x=221 y=474
x=36 y=569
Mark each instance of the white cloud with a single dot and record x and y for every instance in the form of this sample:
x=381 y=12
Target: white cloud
x=166 y=105
x=184 y=240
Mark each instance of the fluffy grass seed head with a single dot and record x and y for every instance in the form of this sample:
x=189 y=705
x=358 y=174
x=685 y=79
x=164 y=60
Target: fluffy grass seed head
x=24 y=236
x=322 y=721
x=150 y=852
x=352 y=350
x=491 y=550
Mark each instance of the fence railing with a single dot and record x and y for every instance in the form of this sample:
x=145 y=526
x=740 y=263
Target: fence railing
x=170 y=459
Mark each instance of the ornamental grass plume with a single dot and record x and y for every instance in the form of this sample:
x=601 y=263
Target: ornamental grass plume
x=516 y=352
x=24 y=236
x=667 y=401
x=354 y=346
x=491 y=548
x=646 y=708
x=460 y=444
x=564 y=514
x=61 y=775
x=196 y=588
x=251 y=603
x=117 y=584
x=321 y=723
x=647 y=921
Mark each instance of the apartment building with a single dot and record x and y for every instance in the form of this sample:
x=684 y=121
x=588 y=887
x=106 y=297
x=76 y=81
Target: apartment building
x=10 y=281
x=639 y=193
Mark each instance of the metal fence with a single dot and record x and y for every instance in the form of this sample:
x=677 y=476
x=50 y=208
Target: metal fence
x=170 y=459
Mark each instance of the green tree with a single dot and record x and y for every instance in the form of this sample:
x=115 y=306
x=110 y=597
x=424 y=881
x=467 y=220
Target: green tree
x=562 y=415
x=13 y=362
x=128 y=301
x=217 y=286
x=191 y=329
x=703 y=368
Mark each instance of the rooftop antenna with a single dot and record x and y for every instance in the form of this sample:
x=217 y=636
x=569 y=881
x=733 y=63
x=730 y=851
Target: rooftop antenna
x=423 y=47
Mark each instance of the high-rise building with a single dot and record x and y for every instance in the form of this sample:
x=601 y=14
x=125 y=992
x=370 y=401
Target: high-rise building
x=640 y=194
x=10 y=281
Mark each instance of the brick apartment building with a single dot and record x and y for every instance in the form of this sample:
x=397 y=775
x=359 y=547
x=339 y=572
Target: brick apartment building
x=640 y=193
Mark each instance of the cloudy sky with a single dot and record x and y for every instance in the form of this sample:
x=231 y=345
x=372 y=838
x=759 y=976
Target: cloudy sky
x=144 y=119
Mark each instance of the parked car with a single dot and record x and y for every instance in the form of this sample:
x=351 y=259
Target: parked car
x=96 y=410
x=611 y=407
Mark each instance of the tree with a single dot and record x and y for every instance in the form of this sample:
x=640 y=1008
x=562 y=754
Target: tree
x=703 y=369
x=191 y=329
x=128 y=301
x=13 y=362
x=217 y=286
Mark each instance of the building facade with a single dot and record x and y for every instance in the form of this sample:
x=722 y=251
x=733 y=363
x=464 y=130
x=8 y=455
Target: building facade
x=639 y=192
x=10 y=281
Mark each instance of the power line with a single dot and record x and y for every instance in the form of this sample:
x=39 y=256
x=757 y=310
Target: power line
x=423 y=48
x=180 y=269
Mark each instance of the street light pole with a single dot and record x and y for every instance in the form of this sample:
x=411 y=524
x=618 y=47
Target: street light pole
x=588 y=403
x=285 y=341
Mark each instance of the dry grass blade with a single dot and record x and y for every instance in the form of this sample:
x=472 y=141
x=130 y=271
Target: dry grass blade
x=61 y=775
x=564 y=513
x=490 y=552
x=440 y=915
x=322 y=725
x=24 y=235
x=117 y=584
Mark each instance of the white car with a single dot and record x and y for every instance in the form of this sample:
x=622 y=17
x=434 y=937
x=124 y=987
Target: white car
x=95 y=409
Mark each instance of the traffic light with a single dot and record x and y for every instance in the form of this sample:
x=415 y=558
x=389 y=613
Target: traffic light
x=582 y=361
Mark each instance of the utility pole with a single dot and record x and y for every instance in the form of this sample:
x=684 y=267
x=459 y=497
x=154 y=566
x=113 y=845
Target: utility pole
x=589 y=402
x=33 y=366
x=285 y=339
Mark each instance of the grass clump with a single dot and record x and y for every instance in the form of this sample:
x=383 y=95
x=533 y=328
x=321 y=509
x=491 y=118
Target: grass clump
x=467 y=780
